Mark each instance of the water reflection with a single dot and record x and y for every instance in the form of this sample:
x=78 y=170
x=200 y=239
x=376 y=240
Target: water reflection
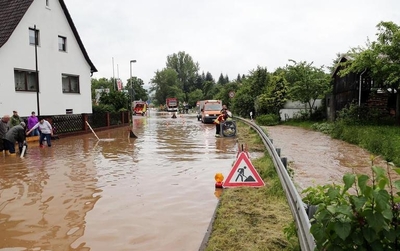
x=44 y=197
x=155 y=192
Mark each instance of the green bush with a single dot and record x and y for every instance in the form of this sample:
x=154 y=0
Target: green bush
x=367 y=219
x=268 y=119
x=363 y=115
x=102 y=108
x=326 y=128
x=319 y=114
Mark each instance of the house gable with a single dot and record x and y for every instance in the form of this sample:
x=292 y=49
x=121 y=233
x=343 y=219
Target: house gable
x=11 y=13
x=78 y=38
x=357 y=88
x=53 y=78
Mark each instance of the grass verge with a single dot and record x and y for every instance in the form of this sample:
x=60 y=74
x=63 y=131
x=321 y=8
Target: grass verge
x=253 y=218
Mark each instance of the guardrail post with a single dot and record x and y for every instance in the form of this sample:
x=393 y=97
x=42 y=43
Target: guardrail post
x=284 y=162
x=278 y=151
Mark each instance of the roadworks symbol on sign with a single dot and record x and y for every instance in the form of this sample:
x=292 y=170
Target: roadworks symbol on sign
x=243 y=173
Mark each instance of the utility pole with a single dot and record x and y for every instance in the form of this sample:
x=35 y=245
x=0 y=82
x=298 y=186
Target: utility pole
x=113 y=74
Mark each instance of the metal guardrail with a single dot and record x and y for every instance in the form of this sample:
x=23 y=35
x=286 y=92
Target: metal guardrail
x=303 y=225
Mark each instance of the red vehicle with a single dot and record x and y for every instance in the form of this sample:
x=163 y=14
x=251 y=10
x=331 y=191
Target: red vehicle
x=172 y=104
x=139 y=107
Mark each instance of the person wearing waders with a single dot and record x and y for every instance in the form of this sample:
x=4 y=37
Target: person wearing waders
x=15 y=134
x=46 y=131
x=3 y=129
x=220 y=119
x=14 y=120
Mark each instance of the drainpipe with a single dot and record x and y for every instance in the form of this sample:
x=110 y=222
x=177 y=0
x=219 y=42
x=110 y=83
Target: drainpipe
x=36 y=70
x=359 y=88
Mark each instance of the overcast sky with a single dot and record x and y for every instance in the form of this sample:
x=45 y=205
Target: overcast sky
x=223 y=36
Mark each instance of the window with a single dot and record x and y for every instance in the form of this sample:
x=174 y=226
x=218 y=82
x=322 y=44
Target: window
x=47 y=3
x=25 y=80
x=32 y=36
x=70 y=83
x=62 y=43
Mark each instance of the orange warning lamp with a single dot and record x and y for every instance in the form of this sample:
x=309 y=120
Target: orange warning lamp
x=219 y=178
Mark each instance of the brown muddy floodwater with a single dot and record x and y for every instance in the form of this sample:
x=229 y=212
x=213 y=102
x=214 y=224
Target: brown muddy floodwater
x=155 y=192
x=316 y=158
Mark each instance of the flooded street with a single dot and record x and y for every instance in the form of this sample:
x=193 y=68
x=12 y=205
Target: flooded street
x=316 y=158
x=155 y=192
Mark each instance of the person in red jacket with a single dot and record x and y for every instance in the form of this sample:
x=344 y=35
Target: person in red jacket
x=220 y=119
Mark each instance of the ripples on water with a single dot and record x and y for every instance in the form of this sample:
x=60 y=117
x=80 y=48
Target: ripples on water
x=155 y=192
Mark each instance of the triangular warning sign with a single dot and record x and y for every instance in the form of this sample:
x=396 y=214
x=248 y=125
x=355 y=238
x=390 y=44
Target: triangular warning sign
x=243 y=173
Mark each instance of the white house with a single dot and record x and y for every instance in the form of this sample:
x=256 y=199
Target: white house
x=51 y=77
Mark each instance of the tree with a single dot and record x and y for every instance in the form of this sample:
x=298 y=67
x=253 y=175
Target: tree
x=186 y=68
x=222 y=80
x=223 y=93
x=306 y=83
x=135 y=89
x=275 y=97
x=209 y=77
x=165 y=84
x=101 y=83
x=258 y=81
x=119 y=100
x=238 y=78
x=243 y=102
x=252 y=86
x=226 y=79
x=195 y=96
x=199 y=81
x=209 y=90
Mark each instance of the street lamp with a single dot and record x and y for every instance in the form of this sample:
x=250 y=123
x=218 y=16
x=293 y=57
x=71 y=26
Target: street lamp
x=131 y=94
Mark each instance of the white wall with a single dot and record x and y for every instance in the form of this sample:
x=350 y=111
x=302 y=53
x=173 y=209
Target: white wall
x=17 y=53
x=291 y=108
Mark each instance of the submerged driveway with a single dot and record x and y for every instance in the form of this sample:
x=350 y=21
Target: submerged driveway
x=316 y=158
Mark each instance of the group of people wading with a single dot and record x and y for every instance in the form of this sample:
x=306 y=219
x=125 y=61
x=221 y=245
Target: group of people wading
x=14 y=130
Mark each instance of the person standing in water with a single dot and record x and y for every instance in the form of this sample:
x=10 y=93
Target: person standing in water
x=46 y=131
x=14 y=134
x=3 y=130
x=32 y=121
